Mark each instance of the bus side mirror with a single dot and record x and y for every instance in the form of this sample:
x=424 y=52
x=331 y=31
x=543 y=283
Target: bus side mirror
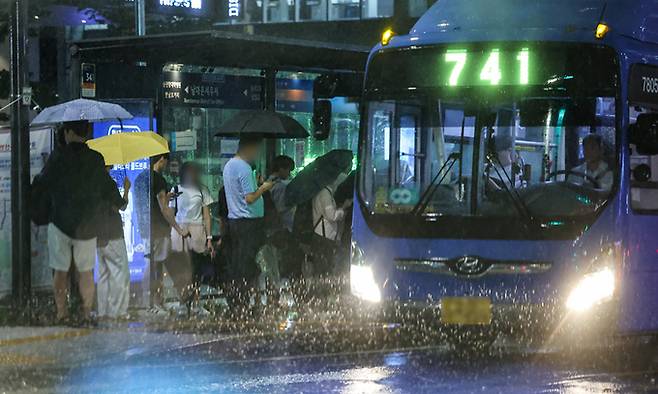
x=321 y=119
x=644 y=134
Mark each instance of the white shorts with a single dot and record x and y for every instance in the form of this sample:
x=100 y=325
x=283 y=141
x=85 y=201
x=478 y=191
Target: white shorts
x=61 y=248
x=196 y=242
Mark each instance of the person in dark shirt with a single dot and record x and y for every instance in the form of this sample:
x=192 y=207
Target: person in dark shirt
x=113 y=288
x=156 y=219
x=77 y=184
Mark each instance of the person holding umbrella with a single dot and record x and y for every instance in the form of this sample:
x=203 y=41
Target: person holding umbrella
x=74 y=185
x=316 y=185
x=328 y=221
x=75 y=180
x=246 y=211
x=152 y=202
x=244 y=197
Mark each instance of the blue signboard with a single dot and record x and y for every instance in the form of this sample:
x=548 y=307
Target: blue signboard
x=212 y=90
x=134 y=243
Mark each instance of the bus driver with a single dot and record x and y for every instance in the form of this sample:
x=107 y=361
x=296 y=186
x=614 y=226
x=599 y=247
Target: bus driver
x=594 y=166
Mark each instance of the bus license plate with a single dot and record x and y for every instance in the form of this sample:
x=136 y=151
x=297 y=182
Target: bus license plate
x=466 y=310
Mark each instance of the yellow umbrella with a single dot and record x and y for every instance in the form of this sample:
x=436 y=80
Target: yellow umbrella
x=122 y=148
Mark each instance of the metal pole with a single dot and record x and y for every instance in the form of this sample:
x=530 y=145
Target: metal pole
x=270 y=105
x=140 y=17
x=20 y=162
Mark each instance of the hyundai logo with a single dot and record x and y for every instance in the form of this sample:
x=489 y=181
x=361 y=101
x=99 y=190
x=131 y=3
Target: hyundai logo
x=469 y=265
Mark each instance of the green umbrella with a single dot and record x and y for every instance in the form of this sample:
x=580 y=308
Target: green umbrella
x=320 y=173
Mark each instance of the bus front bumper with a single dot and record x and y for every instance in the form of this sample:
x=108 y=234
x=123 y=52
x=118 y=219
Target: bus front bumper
x=537 y=321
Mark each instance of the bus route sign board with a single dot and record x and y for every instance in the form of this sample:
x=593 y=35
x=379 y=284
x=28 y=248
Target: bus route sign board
x=88 y=80
x=643 y=87
x=211 y=90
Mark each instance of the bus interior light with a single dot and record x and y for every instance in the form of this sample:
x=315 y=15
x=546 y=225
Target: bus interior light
x=386 y=36
x=601 y=30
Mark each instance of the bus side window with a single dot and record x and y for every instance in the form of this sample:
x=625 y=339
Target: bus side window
x=644 y=173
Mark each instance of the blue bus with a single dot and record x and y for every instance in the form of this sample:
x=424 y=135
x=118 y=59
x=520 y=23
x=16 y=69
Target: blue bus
x=507 y=176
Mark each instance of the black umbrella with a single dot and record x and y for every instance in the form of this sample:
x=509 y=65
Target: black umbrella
x=267 y=124
x=320 y=173
x=345 y=190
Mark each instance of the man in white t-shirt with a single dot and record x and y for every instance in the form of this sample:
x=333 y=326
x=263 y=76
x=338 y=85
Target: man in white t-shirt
x=501 y=174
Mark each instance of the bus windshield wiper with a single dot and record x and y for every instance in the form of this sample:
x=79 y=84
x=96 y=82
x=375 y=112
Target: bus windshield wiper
x=420 y=207
x=508 y=185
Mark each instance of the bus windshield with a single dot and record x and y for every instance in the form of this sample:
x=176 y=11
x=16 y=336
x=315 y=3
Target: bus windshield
x=529 y=134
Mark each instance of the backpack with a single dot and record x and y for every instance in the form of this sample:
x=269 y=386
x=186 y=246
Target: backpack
x=303 y=222
x=222 y=204
x=39 y=202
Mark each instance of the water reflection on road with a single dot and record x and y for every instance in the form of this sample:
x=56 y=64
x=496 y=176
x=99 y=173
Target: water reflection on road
x=323 y=349
x=218 y=366
x=428 y=371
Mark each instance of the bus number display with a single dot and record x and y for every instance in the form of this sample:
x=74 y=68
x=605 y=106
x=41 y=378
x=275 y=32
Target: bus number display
x=492 y=67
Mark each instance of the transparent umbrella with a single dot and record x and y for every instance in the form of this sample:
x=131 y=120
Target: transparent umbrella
x=81 y=109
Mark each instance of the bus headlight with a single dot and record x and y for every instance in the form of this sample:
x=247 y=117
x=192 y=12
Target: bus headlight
x=593 y=289
x=362 y=279
x=363 y=285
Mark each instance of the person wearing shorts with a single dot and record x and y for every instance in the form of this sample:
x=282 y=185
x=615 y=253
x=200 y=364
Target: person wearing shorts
x=156 y=220
x=77 y=185
x=192 y=202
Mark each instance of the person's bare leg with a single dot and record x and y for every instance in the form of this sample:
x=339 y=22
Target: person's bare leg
x=86 y=286
x=61 y=287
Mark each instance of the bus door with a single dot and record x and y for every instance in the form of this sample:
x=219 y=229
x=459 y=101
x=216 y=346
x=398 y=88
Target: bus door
x=639 y=288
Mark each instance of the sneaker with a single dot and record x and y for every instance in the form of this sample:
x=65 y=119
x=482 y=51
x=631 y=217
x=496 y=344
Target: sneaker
x=199 y=311
x=208 y=292
x=157 y=310
x=87 y=322
x=65 y=321
x=171 y=306
x=221 y=302
x=286 y=300
x=123 y=318
x=181 y=311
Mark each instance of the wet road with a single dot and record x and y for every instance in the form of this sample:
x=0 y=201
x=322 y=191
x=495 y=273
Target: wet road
x=322 y=346
x=426 y=371
x=294 y=361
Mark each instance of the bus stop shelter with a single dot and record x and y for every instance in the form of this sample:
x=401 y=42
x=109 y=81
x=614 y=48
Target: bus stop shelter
x=151 y=77
x=145 y=54
x=226 y=49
